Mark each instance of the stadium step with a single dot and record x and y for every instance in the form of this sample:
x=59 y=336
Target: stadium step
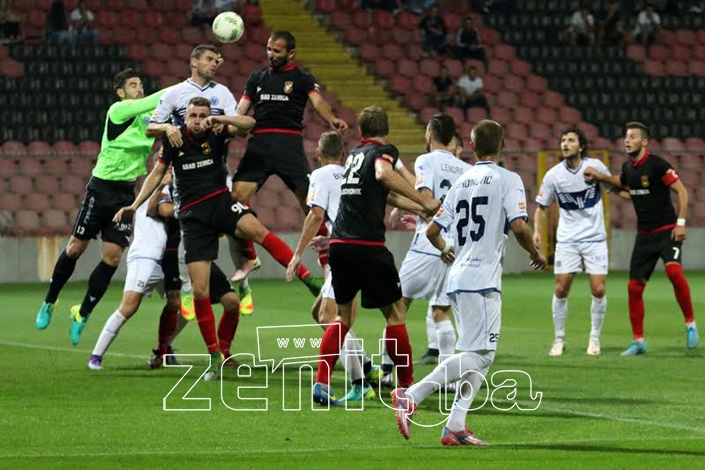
x=334 y=65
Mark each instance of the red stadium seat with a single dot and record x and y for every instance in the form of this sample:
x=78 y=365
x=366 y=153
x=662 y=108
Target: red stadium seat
x=162 y=52
x=362 y=19
x=429 y=67
x=35 y=202
x=513 y=82
x=498 y=67
x=414 y=51
x=326 y=6
x=106 y=19
x=636 y=52
x=501 y=114
x=423 y=85
x=524 y=115
x=696 y=67
x=407 y=68
x=569 y=115
x=130 y=19
x=530 y=99
x=686 y=37
x=453 y=22
x=12 y=68
x=65 y=148
x=658 y=52
x=27 y=222
x=508 y=99
x=384 y=19
x=399 y=85
x=504 y=52
x=415 y=101
x=536 y=83
x=392 y=51
x=654 y=68
x=137 y=51
x=182 y=5
x=546 y=115
x=408 y=21
x=676 y=68
x=355 y=37
x=89 y=148
x=473 y=115
x=11 y=202
x=21 y=184
x=63 y=201
x=13 y=148
x=384 y=68
x=169 y=36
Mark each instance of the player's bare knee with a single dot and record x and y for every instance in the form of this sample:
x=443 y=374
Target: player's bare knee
x=112 y=254
x=230 y=302
x=598 y=291
x=76 y=247
x=562 y=290
x=200 y=291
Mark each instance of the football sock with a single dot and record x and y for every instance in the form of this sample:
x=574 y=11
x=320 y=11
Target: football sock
x=560 y=314
x=598 y=307
x=323 y=254
x=351 y=357
x=681 y=289
x=206 y=323
x=431 y=336
x=181 y=323
x=226 y=330
x=331 y=343
x=446 y=339
x=97 y=285
x=62 y=272
x=110 y=330
x=399 y=350
x=167 y=325
x=248 y=250
x=470 y=384
x=244 y=284
x=636 y=307
x=281 y=252
x=387 y=364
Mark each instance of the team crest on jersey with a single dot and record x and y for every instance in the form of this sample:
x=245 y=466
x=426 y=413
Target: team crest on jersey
x=288 y=86
x=522 y=205
x=644 y=181
x=206 y=148
x=214 y=100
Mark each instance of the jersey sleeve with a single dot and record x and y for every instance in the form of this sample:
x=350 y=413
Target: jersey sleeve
x=424 y=173
x=166 y=195
x=164 y=108
x=168 y=152
x=623 y=175
x=250 y=88
x=546 y=193
x=665 y=172
x=602 y=168
x=230 y=105
x=515 y=199
x=390 y=150
x=127 y=109
x=310 y=85
x=318 y=191
x=445 y=215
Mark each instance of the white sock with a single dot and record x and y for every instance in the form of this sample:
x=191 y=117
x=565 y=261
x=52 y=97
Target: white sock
x=597 y=315
x=110 y=330
x=446 y=339
x=560 y=314
x=386 y=360
x=469 y=386
x=351 y=357
x=431 y=334
x=244 y=284
x=691 y=324
x=181 y=323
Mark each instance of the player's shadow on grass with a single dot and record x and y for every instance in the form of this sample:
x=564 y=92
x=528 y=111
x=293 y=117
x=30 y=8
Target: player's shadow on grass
x=604 y=449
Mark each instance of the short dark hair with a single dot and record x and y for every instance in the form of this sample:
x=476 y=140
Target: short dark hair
x=443 y=128
x=487 y=137
x=199 y=101
x=200 y=49
x=373 y=122
x=582 y=138
x=331 y=144
x=123 y=76
x=288 y=38
x=641 y=126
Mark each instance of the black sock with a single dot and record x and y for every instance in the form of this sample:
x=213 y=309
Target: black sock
x=433 y=352
x=367 y=367
x=97 y=285
x=387 y=368
x=62 y=272
x=359 y=382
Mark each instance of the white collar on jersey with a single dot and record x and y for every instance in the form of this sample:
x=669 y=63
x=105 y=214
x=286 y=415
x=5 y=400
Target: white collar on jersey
x=202 y=88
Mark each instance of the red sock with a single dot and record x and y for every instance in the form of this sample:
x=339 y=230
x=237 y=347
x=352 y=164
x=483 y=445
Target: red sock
x=226 y=330
x=636 y=307
x=681 y=289
x=206 y=322
x=399 y=351
x=330 y=350
x=248 y=249
x=323 y=254
x=167 y=325
x=281 y=252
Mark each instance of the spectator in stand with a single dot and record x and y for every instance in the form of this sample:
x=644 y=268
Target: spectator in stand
x=444 y=88
x=252 y=13
x=581 y=28
x=648 y=26
x=433 y=32
x=467 y=42
x=415 y=5
x=610 y=30
x=390 y=5
x=82 y=29
x=470 y=91
x=9 y=24
x=57 y=30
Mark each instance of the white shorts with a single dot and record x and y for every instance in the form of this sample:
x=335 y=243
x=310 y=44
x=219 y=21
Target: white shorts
x=143 y=275
x=478 y=317
x=327 y=289
x=571 y=256
x=423 y=276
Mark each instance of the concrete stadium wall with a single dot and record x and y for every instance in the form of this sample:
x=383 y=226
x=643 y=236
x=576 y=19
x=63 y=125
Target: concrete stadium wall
x=32 y=259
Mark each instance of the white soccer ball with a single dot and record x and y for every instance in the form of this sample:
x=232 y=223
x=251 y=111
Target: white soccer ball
x=228 y=27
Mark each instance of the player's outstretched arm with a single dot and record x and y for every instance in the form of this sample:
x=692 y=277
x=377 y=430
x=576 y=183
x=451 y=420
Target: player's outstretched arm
x=593 y=174
x=385 y=174
x=127 y=109
x=323 y=109
x=523 y=236
x=433 y=233
x=682 y=193
x=405 y=173
x=312 y=223
x=154 y=206
x=148 y=187
x=235 y=124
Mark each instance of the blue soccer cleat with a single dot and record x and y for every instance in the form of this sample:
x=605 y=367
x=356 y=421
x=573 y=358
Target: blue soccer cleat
x=359 y=393
x=44 y=315
x=635 y=348
x=323 y=395
x=692 y=338
x=77 y=325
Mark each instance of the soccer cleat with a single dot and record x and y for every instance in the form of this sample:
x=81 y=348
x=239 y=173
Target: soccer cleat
x=359 y=393
x=44 y=315
x=323 y=395
x=156 y=361
x=375 y=374
x=692 y=339
x=460 y=438
x=593 y=347
x=214 y=372
x=77 y=325
x=170 y=359
x=557 y=348
x=231 y=362
x=314 y=284
x=403 y=411
x=188 y=310
x=387 y=380
x=635 y=348
x=247 y=304
x=426 y=359
x=249 y=266
x=95 y=362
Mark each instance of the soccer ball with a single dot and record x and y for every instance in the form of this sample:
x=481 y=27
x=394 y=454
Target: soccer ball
x=228 y=27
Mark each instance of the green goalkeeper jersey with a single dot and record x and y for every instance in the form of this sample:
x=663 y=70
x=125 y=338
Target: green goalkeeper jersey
x=125 y=145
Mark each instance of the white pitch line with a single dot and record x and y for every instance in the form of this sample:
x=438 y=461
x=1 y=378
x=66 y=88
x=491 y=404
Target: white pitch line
x=62 y=349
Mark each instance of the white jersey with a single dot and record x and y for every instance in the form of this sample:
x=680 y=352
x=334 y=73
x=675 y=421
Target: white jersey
x=324 y=191
x=150 y=234
x=478 y=209
x=174 y=102
x=581 y=211
x=435 y=171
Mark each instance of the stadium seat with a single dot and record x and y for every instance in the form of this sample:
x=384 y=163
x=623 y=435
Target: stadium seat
x=520 y=68
x=513 y=82
x=20 y=184
x=326 y=6
x=195 y=36
x=384 y=19
x=429 y=67
x=89 y=148
x=11 y=201
x=170 y=36
x=399 y=85
x=408 y=21
x=13 y=148
x=473 y=115
x=64 y=148
x=423 y=85
x=536 y=83
x=408 y=68
x=415 y=101
x=654 y=68
x=64 y=202
x=106 y=19
x=569 y=115
x=35 y=202
x=27 y=222
x=676 y=68
x=523 y=114
x=696 y=67
x=384 y=68
x=362 y=19
x=636 y=52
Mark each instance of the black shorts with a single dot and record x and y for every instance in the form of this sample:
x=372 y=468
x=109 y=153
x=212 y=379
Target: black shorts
x=219 y=284
x=275 y=154
x=369 y=269
x=648 y=249
x=170 y=268
x=203 y=223
x=102 y=201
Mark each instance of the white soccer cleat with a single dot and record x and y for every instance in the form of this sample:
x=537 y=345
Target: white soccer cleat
x=593 y=347
x=557 y=348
